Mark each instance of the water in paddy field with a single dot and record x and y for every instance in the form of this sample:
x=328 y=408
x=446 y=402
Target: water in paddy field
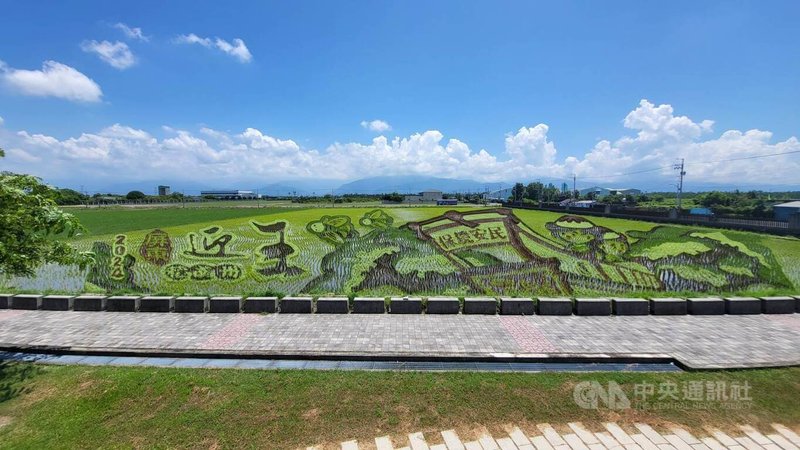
x=51 y=277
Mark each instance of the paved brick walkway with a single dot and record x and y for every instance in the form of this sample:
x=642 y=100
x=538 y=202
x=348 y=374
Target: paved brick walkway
x=697 y=341
x=575 y=436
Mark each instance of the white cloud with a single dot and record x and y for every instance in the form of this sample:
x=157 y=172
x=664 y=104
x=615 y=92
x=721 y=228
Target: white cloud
x=2 y=121
x=192 y=38
x=237 y=48
x=123 y=132
x=54 y=80
x=124 y=153
x=378 y=126
x=657 y=123
x=22 y=155
x=116 y=54
x=531 y=145
x=662 y=138
x=132 y=32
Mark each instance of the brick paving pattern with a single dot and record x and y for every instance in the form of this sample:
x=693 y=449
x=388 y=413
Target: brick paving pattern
x=232 y=333
x=788 y=321
x=637 y=437
x=697 y=341
x=9 y=313
x=527 y=336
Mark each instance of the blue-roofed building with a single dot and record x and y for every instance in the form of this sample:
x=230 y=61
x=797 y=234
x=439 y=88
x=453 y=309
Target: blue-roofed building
x=701 y=212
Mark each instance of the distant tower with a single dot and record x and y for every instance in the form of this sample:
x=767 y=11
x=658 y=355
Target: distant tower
x=163 y=190
x=682 y=174
x=564 y=188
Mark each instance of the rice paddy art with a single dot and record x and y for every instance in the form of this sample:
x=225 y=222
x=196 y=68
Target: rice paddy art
x=428 y=251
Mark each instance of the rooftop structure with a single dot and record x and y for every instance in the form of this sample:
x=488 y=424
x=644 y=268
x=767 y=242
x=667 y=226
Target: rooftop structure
x=429 y=196
x=229 y=194
x=783 y=211
x=602 y=192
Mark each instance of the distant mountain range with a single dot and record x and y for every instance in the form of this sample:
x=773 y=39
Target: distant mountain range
x=404 y=184
x=413 y=184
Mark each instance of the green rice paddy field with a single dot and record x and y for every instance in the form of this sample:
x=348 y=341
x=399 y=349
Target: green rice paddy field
x=384 y=251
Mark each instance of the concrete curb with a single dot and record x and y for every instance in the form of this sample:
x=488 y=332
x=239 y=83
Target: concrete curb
x=546 y=306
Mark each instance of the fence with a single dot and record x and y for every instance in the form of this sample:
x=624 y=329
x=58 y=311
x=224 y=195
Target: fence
x=780 y=227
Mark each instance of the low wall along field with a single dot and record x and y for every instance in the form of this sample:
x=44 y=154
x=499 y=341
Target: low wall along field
x=427 y=251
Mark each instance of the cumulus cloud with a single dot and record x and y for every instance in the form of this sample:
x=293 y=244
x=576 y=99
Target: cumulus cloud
x=236 y=48
x=53 y=80
x=530 y=145
x=662 y=138
x=132 y=32
x=657 y=138
x=377 y=125
x=116 y=54
x=2 y=121
x=192 y=38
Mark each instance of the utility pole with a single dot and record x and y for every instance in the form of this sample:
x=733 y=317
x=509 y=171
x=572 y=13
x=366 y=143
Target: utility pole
x=574 y=181
x=682 y=173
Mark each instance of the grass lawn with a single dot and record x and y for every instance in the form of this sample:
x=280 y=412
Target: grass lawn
x=90 y=407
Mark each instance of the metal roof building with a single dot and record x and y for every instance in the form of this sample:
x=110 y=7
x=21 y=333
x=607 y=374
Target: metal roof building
x=229 y=194
x=784 y=210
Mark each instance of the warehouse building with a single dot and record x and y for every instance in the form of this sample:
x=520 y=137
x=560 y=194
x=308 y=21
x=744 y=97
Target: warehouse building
x=429 y=197
x=602 y=192
x=229 y=195
x=785 y=210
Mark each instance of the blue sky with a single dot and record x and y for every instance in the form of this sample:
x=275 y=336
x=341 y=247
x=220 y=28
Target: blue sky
x=493 y=91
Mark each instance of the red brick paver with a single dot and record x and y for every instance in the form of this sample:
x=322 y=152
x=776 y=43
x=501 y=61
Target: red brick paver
x=527 y=336
x=232 y=333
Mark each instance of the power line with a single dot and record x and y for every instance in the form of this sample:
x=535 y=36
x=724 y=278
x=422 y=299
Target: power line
x=747 y=157
x=654 y=169
x=626 y=173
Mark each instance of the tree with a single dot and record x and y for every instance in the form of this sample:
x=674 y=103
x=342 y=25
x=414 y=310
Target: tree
x=135 y=195
x=69 y=197
x=550 y=193
x=614 y=199
x=393 y=197
x=716 y=198
x=30 y=220
x=517 y=192
x=533 y=191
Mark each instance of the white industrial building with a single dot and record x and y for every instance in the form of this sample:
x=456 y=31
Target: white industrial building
x=602 y=192
x=429 y=196
x=229 y=194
